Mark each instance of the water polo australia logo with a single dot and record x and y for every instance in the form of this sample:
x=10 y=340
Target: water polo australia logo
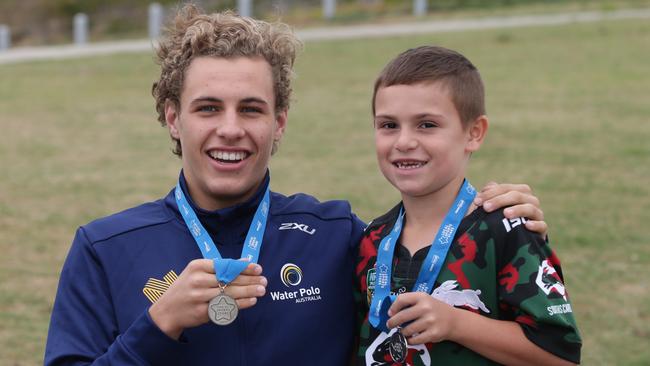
x=291 y=275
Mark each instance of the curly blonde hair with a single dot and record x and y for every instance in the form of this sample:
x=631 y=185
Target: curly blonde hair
x=194 y=33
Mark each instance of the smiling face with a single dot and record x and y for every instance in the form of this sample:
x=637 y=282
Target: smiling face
x=226 y=123
x=422 y=147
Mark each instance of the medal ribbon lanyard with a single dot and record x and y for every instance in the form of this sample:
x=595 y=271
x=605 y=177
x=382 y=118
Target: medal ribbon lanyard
x=382 y=299
x=226 y=269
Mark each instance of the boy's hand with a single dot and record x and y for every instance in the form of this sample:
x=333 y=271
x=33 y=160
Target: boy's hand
x=185 y=303
x=521 y=199
x=423 y=318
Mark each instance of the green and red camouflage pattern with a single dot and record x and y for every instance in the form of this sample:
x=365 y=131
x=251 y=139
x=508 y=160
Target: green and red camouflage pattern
x=496 y=268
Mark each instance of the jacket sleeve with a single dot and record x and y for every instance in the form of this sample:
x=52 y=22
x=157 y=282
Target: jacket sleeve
x=83 y=327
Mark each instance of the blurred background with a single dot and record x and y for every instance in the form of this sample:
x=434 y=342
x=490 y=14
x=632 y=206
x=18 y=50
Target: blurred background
x=39 y=22
x=567 y=85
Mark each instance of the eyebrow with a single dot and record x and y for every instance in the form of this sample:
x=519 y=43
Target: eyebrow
x=427 y=115
x=206 y=99
x=217 y=100
x=254 y=100
x=418 y=116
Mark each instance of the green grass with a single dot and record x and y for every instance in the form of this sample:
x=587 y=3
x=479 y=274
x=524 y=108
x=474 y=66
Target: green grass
x=568 y=108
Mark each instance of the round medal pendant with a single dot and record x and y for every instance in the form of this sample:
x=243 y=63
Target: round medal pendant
x=398 y=347
x=222 y=310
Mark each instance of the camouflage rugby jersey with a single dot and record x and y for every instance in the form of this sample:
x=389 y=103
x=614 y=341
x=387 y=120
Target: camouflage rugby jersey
x=495 y=267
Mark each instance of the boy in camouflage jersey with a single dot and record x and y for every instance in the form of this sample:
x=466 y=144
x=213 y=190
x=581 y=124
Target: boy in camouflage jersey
x=499 y=297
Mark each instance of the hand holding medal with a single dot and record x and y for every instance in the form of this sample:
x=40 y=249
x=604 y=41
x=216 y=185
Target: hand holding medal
x=224 y=307
x=422 y=318
x=213 y=288
x=185 y=304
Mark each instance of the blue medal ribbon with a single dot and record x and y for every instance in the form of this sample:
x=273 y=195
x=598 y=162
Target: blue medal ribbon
x=382 y=298
x=226 y=269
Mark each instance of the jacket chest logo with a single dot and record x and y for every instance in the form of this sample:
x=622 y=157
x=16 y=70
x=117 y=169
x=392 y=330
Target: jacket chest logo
x=154 y=288
x=296 y=226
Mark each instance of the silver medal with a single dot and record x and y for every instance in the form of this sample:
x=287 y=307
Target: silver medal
x=222 y=309
x=398 y=347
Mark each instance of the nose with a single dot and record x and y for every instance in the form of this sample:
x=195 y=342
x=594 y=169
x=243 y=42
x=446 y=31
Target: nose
x=405 y=141
x=229 y=127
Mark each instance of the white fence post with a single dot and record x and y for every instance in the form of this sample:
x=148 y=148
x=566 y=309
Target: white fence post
x=5 y=37
x=329 y=9
x=245 y=7
x=80 y=29
x=156 y=15
x=419 y=7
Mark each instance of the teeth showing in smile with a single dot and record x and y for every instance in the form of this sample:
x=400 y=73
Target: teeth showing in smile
x=409 y=164
x=228 y=156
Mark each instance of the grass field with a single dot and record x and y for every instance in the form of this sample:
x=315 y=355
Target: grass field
x=569 y=109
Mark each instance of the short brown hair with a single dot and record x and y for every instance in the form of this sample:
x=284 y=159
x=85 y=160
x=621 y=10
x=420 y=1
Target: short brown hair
x=194 y=34
x=434 y=63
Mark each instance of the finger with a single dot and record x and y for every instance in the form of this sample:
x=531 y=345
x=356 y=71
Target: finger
x=253 y=269
x=200 y=280
x=527 y=210
x=246 y=303
x=478 y=200
x=207 y=265
x=204 y=280
x=414 y=330
x=204 y=295
x=539 y=227
x=506 y=187
x=488 y=185
x=405 y=305
x=419 y=338
x=404 y=316
x=244 y=280
x=402 y=301
x=509 y=198
x=493 y=190
x=242 y=292
x=200 y=265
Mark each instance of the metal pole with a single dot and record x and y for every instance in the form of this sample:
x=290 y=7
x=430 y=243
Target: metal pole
x=155 y=20
x=80 y=29
x=245 y=7
x=419 y=8
x=5 y=37
x=329 y=9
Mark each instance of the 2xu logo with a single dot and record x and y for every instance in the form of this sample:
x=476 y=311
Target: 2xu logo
x=297 y=226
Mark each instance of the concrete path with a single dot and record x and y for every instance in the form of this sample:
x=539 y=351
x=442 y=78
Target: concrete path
x=336 y=32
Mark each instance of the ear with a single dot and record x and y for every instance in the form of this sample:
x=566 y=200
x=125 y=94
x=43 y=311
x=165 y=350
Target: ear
x=171 y=117
x=476 y=133
x=280 y=125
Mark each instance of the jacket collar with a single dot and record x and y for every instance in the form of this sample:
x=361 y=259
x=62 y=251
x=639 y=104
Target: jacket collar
x=225 y=225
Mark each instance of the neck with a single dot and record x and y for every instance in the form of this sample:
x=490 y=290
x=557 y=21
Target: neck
x=424 y=215
x=211 y=202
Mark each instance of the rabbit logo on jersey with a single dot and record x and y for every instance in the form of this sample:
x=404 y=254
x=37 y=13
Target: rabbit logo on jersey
x=291 y=276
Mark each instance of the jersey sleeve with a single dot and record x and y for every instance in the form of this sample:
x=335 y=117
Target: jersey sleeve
x=83 y=327
x=531 y=290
